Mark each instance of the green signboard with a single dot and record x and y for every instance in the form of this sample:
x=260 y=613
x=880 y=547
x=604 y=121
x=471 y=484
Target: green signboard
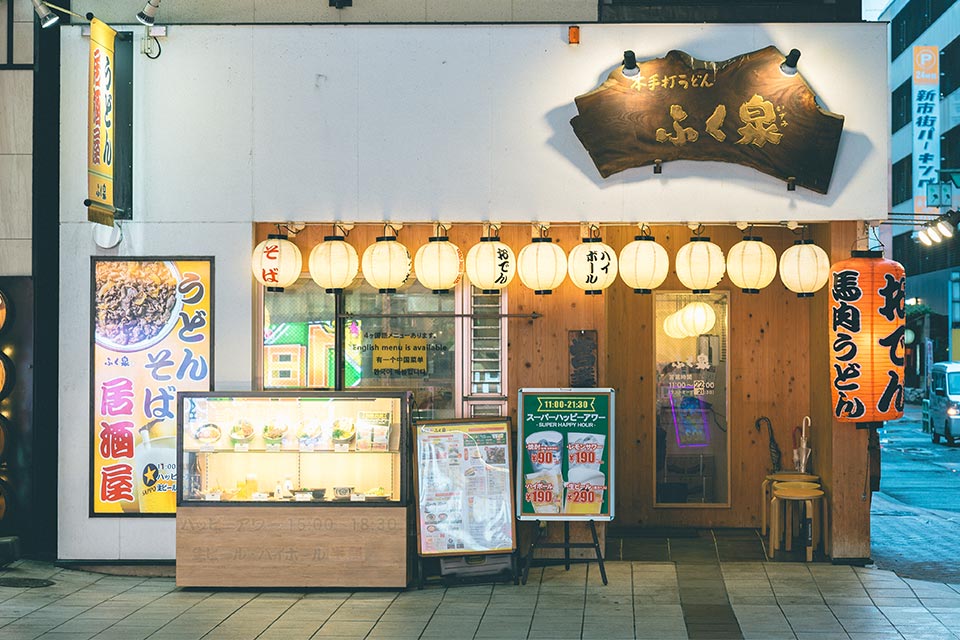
x=565 y=454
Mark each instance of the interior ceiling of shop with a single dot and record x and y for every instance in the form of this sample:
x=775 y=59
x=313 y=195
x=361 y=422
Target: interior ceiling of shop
x=299 y=11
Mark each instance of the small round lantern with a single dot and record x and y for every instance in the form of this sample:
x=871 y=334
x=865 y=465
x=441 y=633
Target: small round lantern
x=334 y=264
x=438 y=264
x=643 y=264
x=592 y=266
x=804 y=268
x=542 y=266
x=697 y=318
x=751 y=264
x=490 y=265
x=700 y=264
x=276 y=262
x=673 y=328
x=386 y=264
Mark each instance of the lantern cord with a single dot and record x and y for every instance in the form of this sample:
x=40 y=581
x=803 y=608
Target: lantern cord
x=387 y=225
x=644 y=229
x=698 y=231
x=343 y=230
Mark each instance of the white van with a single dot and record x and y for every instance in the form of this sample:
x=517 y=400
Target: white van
x=944 y=395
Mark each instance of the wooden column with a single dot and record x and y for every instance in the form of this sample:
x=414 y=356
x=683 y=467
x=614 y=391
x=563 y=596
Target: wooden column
x=842 y=458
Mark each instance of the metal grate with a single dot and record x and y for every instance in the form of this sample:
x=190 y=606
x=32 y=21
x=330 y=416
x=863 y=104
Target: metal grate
x=25 y=583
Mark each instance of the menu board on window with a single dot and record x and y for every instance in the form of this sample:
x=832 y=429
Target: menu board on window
x=151 y=336
x=463 y=483
x=565 y=454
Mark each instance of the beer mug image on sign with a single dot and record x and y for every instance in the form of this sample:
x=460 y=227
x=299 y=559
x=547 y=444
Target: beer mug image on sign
x=544 y=491
x=543 y=450
x=585 y=450
x=585 y=489
x=156 y=461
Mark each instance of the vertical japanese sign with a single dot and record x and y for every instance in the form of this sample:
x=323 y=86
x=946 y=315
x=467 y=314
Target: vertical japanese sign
x=100 y=135
x=565 y=454
x=152 y=336
x=464 y=493
x=926 y=124
x=867 y=325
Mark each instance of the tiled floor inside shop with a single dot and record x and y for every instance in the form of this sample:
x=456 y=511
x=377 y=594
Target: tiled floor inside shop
x=656 y=600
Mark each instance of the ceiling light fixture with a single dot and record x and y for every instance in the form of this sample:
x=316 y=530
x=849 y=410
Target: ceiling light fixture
x=630 y=68
x=789 y=66
x=148 y=14
x=47 y=18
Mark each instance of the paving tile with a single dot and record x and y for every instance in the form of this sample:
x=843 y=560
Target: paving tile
x=355 y=628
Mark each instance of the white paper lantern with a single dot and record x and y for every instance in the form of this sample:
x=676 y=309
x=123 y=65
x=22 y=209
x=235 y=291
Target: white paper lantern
x=438 y=264
x=700 y=264
x=697 y=318
x=592 y=266
x=276 y=262
x=804 y=268
x=542 y=266
x=673 y=328
x=490 y=265
x=643 y=264
x=334 y=264
x=751 y=264
x=386 y=264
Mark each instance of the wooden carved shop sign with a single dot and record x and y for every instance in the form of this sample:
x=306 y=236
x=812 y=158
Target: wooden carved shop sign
x=744 y=110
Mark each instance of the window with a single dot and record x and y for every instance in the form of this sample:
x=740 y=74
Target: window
x=953 y=380
x=910 y=23
x=903 y=179
x=692 y=459
x=901 y=108
x=299 y=337
x=950 y=149
x=950 y=67
x=484 y=372
x=409 y=340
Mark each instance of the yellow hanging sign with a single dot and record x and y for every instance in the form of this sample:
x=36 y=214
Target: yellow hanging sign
x=100 y=138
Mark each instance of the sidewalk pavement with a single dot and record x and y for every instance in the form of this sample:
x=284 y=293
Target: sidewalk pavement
x=771 y=601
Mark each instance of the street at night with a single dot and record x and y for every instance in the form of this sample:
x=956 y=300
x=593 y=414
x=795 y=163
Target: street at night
x=916 y=515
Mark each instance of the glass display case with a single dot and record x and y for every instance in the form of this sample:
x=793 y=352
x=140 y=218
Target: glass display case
x=293 y=448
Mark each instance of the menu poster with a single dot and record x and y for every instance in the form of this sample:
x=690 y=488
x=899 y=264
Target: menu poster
x=464 y=494
x=151 y=336
x=565 y=455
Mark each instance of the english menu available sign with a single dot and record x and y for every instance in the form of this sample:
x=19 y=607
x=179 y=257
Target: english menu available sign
x=152 y=336
x=744 y=110
x=565 y=454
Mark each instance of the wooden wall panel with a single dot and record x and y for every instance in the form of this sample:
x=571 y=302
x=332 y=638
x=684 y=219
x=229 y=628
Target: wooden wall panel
x=769 y=375
x=778 y=368
x=844 y=460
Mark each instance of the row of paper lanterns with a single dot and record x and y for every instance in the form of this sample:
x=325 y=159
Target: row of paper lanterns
x=542 y=265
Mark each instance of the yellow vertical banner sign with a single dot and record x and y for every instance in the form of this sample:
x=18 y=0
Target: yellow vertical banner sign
x=152 y=336
x=100 y=142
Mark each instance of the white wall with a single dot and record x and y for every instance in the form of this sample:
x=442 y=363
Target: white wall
x=316 y=123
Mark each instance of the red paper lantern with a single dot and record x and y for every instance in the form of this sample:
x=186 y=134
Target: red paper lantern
x=866 y=346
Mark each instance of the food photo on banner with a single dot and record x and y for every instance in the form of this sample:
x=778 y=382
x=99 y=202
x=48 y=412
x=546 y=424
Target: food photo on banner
x=565 y=454
x=151 y=336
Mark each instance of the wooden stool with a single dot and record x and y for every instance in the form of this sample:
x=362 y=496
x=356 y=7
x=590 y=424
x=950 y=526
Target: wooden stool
x=785 y=476
x=813 y=502
x=796 y=485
